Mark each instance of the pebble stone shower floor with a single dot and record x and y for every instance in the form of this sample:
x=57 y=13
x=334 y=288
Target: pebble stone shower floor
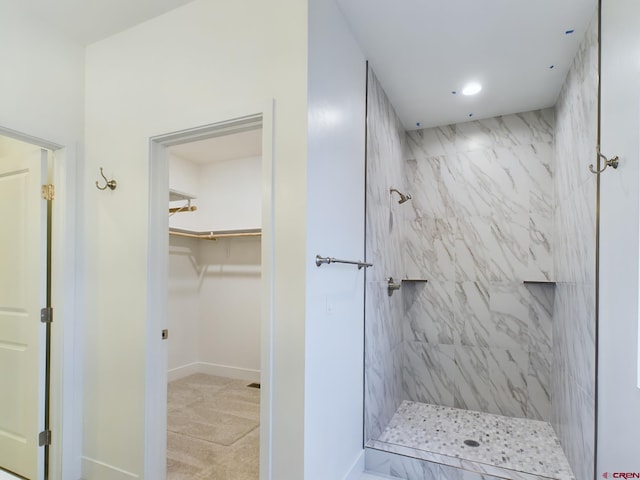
x=213 y=429
x=507 y=447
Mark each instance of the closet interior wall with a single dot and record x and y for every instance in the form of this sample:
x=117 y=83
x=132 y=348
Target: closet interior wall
x=214 y=286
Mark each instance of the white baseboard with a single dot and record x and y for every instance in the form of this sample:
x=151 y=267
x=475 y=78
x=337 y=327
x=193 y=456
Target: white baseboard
x=214 y=369
x=7 y=476
x=96 y=470
x=183 y=371
x=356 y=470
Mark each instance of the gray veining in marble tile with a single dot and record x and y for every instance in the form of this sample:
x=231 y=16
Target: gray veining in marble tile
x=573 y=340
x=427 y=372
x=481 y=223
x=386 y=143
x=429 y=316
x=495 y=202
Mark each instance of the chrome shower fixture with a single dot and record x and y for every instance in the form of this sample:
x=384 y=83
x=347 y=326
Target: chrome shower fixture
x=403 y=197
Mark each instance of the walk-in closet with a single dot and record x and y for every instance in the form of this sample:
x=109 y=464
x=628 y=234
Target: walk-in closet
x=213 y=408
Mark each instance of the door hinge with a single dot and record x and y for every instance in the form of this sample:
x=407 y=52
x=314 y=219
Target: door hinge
x=48 y=192
x=46 y=315
x=44 y=438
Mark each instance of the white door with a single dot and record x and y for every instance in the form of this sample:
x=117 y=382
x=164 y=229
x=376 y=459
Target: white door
x=22 y=294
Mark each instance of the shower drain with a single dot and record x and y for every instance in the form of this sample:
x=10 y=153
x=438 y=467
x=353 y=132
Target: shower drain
x=471 y=443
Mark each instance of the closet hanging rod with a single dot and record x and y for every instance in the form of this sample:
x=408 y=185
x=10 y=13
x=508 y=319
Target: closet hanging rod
x=214 y=235
x=186 y=208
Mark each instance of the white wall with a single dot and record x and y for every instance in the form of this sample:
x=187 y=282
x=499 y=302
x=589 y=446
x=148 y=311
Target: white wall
x=229 y=193
x=618 y=393
x=229 y=317
x=200 y=64
x=41 y=93
x=214 y=286
x=183 y=176
x=183 y=305
x=41 y=86
x=233 y=194
x=214 y=307
x=335 y=227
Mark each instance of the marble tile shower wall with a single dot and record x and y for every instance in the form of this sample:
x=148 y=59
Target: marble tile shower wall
x=384 y=217
x=573 y=382
x=482 y=215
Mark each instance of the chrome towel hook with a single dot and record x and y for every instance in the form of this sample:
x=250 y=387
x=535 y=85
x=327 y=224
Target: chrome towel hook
x=112 y=184
x=607 y=163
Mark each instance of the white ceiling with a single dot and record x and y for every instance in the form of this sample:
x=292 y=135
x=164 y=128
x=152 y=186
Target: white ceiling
x=87 y=21
x=421 y=50
x=219 y=149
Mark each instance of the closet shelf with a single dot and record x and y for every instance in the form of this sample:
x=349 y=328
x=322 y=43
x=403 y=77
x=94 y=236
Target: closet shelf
x=178 y=196
x=175 y=195
x=215 y=234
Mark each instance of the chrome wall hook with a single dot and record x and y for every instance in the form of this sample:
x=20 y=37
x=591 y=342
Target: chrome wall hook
x=112 y=184
x=613 y=162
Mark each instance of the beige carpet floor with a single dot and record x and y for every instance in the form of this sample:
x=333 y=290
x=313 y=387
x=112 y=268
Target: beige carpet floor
x=213 y=429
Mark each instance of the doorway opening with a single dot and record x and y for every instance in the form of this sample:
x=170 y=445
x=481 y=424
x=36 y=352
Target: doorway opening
x=209 y=301
x=214 y=307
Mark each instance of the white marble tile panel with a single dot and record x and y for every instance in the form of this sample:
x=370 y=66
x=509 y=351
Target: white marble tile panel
x=427 y=179
x=472 y=313
x=573 y=347
x=508 y=250
x=511 y=182
x=429 y=317
x=475 y=182
x=482 y=135
x=432 y=142
x=540 y=260
x=385 y=220
x=539 y=163
x=491 y=380
x=532 y=127
x=430 y=248
x=509 y=324
x=508 y=379
x=539 y=385
x=540 y=330
x=383 y=389
x=472 y=248
x=426 y=375
x=472 y=391
x=383 y=327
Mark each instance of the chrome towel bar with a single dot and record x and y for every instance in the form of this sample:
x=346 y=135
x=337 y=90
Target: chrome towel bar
x=322 y=260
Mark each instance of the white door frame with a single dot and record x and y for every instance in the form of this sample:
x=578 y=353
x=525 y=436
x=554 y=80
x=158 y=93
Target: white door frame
x=158 y=259
x=66 y=353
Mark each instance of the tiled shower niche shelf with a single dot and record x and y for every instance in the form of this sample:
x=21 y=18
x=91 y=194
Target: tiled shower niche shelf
x=540 y=282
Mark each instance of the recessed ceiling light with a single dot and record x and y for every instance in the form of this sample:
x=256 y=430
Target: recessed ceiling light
x=471 y=88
